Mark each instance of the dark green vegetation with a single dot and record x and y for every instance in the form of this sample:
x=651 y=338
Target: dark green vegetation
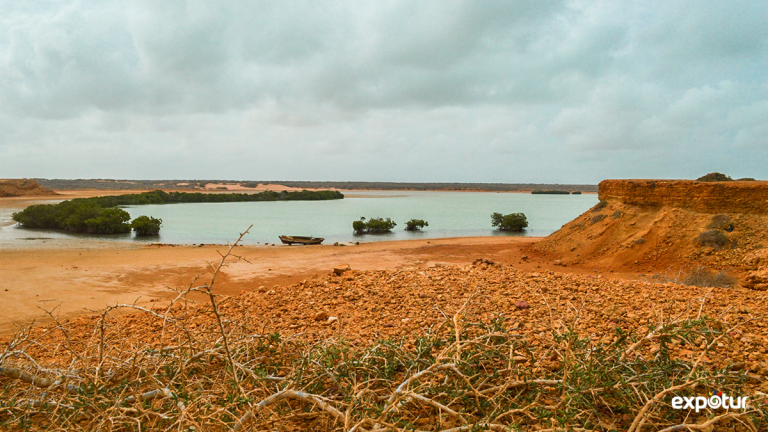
x=146 y=226
x=373 y=226
x=550 y=192
x=100 y=215
x=714 y=177
x=76 y=216
x=510 y=222
x=416 y=225
x=576 y=193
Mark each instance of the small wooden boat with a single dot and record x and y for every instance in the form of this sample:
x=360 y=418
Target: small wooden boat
x=289 y=240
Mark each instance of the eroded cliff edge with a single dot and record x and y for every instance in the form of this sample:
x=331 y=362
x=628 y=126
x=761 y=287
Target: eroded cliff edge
x=704 y=197
x=669 y=226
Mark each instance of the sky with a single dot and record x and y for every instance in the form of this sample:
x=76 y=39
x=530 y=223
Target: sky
x=416 y=91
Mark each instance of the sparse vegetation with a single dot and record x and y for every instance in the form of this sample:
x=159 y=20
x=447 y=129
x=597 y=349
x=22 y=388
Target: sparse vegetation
x=416 y=225
x=509 y=222
x=599 y=206
x=373 y=225
x=640 y=241
x=596 y=218
x=576 y=193
x=616 y=214
x=146 y=226
x=746 y=179
x=463 y=376
x=721 y=222
x=218 y=366
x=714 y=177
x=703 y=277
x=713 y=238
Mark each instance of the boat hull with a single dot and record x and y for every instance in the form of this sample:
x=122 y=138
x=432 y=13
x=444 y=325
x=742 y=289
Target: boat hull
x=289 y=240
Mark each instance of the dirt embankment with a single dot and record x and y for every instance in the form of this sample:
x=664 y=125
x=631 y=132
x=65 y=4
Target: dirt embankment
x=670 y=225
x=702 y=197
x=22 y=187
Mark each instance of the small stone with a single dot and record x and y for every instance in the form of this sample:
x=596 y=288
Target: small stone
x=558 y=262
x=321 y=316
x=340 y=269
x=331 y=320
x=522 y=304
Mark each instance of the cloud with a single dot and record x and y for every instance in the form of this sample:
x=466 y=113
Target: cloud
x=427 y=91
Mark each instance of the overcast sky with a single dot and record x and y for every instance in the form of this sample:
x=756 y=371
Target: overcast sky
x=464 y=91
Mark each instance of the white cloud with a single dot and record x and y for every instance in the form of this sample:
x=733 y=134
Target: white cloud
x=523 y=91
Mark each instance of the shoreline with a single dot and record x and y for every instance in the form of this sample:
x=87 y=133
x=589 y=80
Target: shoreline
x=72 y=281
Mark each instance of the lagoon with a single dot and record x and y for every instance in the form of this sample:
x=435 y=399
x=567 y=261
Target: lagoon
x=450 y=214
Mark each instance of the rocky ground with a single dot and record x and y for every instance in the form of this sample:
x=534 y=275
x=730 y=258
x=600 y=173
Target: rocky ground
x=365 y=307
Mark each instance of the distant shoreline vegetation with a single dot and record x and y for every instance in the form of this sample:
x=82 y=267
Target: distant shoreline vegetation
x=550 y=192
x=100 y=215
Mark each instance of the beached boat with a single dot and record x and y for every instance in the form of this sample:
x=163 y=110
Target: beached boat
x=289 y=240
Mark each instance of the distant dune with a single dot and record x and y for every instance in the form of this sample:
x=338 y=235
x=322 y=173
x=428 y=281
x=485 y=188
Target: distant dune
x=22 y=187
x=242 y=185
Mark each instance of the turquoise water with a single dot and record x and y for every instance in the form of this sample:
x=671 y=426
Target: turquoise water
x=450 y=214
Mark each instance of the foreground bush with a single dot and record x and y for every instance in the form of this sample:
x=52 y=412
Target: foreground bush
x=461 y=377
x=206 y=370
x=416 y=225
x=510 y=222
x=373 y=226
x=146 y=226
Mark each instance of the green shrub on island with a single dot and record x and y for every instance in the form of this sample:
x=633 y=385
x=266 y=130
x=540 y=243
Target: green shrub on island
x=550 y=192
x=373 y=226
x=100 y=215
x=714 y=177
x=146 y=226
x=576 y=193
x=76 y=217
x=416 y=225
x=510 y=222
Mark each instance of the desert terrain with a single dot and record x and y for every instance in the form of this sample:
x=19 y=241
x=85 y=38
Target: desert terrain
x=587 y=329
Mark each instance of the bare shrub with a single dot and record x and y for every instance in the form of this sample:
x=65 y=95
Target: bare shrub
x=597 y=218
x=703 y=277
x=599 y=206
x=720 y=222
x=616 y=214
x=713 y=238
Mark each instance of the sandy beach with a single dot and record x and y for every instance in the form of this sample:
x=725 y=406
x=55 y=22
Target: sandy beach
x=73 y=281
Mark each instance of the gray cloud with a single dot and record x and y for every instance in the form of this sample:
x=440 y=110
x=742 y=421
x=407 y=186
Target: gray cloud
x=414 y=91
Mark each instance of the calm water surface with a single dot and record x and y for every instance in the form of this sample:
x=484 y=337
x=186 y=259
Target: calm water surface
x=450 y=214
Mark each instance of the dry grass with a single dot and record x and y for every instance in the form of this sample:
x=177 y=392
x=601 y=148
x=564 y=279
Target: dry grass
x=462 y=375
x=713 y=238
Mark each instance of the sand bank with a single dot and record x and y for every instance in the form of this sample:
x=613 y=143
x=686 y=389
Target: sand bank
x=75 y=279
